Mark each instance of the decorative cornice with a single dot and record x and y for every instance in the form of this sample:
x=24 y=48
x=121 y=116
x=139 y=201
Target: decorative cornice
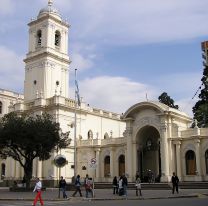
x=46 y=54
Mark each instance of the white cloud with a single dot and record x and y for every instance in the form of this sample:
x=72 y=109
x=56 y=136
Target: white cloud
x=80 y=62
x=186 y=105
x=138 y=22
x=7 y=7
x=116 y=94
x=12 y=69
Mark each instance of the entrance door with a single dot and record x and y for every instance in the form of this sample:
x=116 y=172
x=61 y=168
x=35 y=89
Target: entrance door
x=148 y=155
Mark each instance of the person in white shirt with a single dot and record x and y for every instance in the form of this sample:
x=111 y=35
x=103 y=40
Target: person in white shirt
x=38 y=187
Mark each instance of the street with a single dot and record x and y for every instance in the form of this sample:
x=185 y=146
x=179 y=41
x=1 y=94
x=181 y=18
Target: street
x=202 y=201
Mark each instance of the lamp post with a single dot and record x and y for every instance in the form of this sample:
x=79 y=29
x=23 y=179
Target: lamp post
x=60 y=160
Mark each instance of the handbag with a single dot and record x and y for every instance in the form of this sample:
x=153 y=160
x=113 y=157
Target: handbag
x=138 y=185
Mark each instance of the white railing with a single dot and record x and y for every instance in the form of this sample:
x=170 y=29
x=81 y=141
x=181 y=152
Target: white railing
x=103 y=142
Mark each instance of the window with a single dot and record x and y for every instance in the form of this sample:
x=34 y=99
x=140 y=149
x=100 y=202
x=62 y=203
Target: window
x=106 y=136
x=121 y=165
x=3 y=170
x=107 y=166
x=39 y=37
x=90 y=134
x=1 y=107
x=206 y=161
x=190 y=163
x=57 y=38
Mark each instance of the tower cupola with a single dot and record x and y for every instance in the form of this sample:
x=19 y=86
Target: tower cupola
x=47 y=61
x=49 y=10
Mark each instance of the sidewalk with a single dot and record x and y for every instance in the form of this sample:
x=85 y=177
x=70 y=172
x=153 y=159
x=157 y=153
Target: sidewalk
x=104 y=194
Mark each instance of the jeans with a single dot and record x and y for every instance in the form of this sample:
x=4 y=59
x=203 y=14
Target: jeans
x=63 y=189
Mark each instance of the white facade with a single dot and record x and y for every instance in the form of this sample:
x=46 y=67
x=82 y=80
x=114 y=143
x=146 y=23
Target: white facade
x=149 y=136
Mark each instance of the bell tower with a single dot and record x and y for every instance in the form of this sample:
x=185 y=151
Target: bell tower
x=47 y=61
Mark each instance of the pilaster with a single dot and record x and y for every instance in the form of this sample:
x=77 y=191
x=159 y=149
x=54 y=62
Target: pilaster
x=164 y=155
x=97 y=154
x=178 y=159
x=198 y=160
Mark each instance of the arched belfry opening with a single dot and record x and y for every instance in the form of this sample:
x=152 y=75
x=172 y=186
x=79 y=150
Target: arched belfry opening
x=148 y=154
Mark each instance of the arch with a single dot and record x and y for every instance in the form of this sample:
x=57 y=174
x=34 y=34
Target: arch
x=148 y=153
x=206 y=161
x=57 y=38
x=3 y=170
x=190 y=158
x=121 y=165
x=90 y=134
x=106 y=136
x=1 y=107
x=107 y=166
x=39 y=37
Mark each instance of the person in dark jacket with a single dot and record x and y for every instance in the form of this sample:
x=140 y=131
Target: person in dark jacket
x=62 y=186
x=175 y=182
x=125 y=184
x=115 y=185
x=77 y=185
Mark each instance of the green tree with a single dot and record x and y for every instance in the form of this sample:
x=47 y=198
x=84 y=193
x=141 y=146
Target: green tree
x=25 y=138
x=200 y=109
x=165 y=99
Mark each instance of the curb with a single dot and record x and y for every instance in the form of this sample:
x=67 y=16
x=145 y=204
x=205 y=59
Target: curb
x=106 y=199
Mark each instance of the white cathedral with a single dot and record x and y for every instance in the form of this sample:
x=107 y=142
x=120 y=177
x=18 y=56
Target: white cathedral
x=149 y=136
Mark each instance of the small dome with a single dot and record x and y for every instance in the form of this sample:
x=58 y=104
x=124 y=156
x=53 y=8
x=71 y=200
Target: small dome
x=49 y=10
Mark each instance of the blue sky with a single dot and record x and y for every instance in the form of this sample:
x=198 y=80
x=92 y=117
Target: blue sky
x=123 y=49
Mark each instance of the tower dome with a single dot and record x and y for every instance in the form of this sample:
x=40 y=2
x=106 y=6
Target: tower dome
x=49 y=9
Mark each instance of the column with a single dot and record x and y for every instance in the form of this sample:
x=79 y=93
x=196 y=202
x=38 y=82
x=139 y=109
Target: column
x=164 y=155
x=134 y=159
x=128 y=158
x=39 y=168
x=111 y=162
x=178 y=159
x=18 y=167
x=198 y=160
x=12 y=168
x=97 y=154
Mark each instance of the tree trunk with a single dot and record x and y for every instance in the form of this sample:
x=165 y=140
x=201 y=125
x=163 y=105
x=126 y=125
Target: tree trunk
x=28 y=167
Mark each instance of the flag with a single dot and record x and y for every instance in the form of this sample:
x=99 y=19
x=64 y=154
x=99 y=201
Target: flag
x=77 y=93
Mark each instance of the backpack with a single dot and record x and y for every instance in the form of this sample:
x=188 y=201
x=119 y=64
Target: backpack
x=88 y=184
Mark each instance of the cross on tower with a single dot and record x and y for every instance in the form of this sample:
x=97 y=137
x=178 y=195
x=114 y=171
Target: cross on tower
x=50 y=2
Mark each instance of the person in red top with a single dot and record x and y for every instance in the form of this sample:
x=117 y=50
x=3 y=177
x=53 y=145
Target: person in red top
x=38 y=187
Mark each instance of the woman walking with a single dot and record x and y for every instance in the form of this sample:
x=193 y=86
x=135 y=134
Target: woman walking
x=38 y=187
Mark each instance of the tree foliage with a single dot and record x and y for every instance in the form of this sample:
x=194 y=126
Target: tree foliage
x=25 y=138
x=200 y=109
x=165 y=99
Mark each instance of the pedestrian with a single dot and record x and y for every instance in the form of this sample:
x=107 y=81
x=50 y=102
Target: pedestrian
x=125 y=184
x=138 y=185
x=88 y=186
x=175 y=182
x=120 y=186
x=77 y=186
x=115 y=185
x=38 y=187
x=62 y=186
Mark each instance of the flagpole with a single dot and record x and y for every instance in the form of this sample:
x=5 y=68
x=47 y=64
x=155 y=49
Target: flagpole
x=75 y=127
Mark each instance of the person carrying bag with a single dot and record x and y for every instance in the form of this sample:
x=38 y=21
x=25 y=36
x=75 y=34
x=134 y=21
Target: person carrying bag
x=138 y=186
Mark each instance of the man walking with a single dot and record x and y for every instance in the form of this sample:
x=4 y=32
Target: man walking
x=77 y=185
x=62 y=186
x=175 y=182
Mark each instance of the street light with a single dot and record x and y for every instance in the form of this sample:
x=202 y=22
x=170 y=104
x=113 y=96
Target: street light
x=60 y=160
